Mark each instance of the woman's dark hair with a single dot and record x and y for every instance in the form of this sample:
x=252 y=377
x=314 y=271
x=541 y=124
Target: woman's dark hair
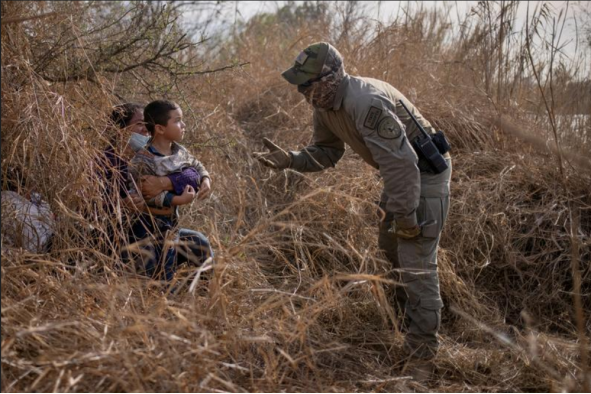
x=158 y=112
x=123 y=113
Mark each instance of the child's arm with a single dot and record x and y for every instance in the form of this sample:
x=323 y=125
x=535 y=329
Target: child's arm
x=167 y=199
x=185 y=198
x=205 y=186
x=200 y=168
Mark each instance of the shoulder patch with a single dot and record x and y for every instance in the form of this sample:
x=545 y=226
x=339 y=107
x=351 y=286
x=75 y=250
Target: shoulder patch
x=389 y=128
x=371 y=120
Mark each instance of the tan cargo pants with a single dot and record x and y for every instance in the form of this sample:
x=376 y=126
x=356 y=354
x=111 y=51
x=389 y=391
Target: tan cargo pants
x=415 y=263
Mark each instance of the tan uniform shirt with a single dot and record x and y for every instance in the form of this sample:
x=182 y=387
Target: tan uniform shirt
x=368 y=117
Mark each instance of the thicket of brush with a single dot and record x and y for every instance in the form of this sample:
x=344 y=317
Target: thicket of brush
x=300 y=297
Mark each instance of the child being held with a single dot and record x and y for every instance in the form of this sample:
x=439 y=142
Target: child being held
x=163 y=155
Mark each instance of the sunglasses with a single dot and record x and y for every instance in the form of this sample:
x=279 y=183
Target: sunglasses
x=309 y=82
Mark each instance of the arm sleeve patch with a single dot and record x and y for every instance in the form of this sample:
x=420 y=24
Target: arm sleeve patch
x=373 y=115
x=389 y=128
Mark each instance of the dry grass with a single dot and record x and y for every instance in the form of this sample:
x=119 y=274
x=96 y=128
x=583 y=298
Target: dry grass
x=299 y=299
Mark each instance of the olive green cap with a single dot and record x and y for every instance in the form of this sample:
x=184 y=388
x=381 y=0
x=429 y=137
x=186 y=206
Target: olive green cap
x=308 y=64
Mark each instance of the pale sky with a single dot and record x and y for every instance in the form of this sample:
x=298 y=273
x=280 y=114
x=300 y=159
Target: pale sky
x=386 y=11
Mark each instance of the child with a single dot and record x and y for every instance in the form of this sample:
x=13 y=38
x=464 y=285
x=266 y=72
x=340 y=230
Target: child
x=162 y=156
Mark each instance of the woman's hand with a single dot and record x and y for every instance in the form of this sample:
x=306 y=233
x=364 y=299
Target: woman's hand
x=152 y=186
x=204 y=189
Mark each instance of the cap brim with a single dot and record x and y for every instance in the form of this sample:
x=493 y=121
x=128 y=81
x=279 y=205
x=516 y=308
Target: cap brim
x=296 y=77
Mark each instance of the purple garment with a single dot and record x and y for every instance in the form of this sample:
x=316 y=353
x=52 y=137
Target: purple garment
x=189 y=176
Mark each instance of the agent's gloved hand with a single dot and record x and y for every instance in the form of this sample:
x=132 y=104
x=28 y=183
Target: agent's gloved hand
x=276 y=157
x=405 y=232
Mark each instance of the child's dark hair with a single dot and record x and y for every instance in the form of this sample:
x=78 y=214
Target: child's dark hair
x=158 y=112
x=123 y=113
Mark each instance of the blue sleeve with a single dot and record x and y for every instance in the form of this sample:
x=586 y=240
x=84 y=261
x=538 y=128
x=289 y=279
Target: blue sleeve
x=168 y=200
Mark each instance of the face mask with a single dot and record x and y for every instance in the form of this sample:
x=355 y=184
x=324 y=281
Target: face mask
x=322 y=93
x=137 y=141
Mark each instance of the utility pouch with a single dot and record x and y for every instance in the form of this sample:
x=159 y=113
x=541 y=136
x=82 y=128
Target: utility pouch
x=441 y=142
x=430 y=230
x=425 y=148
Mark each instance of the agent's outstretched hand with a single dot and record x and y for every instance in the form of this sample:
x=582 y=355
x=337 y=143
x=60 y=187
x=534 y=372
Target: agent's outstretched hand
x=276 y=157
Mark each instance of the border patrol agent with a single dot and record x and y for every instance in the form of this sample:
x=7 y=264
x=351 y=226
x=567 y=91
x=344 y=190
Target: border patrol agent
x=366 y=114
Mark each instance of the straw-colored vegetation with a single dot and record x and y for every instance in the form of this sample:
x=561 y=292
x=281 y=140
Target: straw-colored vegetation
x=299 y=299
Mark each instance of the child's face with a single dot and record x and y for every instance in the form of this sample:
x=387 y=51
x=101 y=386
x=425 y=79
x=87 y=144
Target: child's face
x=175 y=128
